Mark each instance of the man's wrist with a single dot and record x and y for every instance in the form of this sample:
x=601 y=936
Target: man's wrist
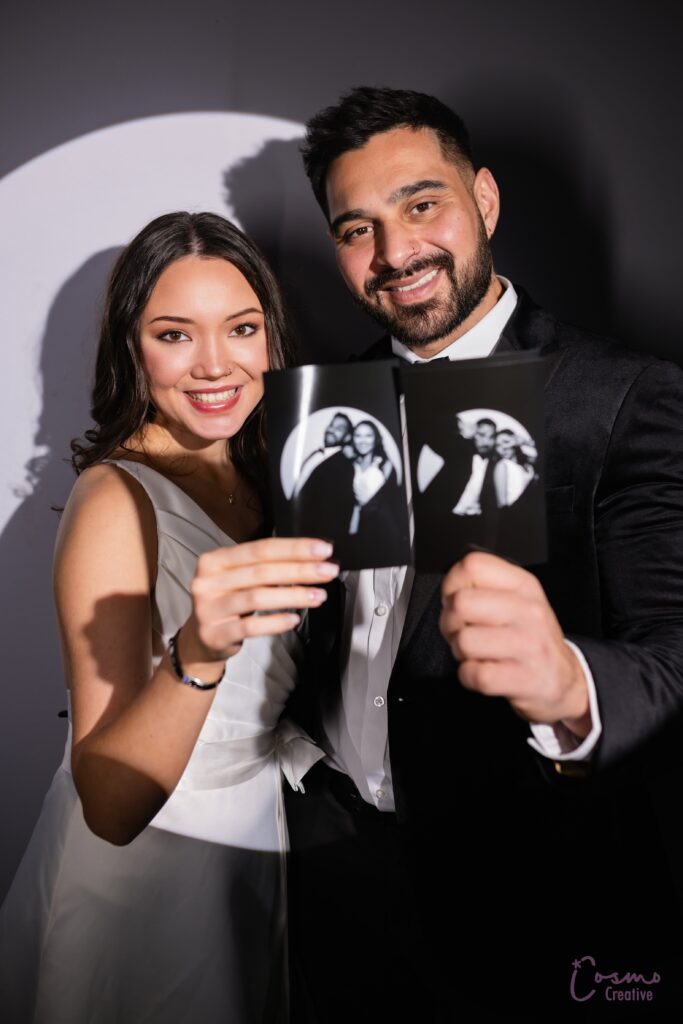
x=579 y=727
x=580 y=722
x=560 y=744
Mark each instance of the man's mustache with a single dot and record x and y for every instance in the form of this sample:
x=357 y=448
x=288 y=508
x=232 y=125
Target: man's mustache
x=440 y=260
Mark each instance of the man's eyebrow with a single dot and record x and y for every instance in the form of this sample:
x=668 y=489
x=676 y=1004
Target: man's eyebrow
x=404 y=192
x=344 y=217
x=425 y=185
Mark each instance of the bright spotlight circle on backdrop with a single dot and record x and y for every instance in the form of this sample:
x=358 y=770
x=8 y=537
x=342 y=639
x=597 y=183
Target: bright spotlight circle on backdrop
x=88 y=195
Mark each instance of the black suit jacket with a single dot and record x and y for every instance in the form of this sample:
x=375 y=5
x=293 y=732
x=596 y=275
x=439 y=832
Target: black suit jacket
x=446 y=490
x=614 y=494
x=327 y=498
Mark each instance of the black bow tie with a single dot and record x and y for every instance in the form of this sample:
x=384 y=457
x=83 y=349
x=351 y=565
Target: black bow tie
x=429 y=362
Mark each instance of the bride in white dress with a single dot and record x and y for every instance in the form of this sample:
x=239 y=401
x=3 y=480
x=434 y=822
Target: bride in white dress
x=152 y=889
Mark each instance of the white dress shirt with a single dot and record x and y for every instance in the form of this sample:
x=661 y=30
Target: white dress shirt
x=356 y=730
x=468 y=502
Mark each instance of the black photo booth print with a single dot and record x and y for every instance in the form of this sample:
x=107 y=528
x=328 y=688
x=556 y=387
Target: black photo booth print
x=475 y=436
x=336 y=460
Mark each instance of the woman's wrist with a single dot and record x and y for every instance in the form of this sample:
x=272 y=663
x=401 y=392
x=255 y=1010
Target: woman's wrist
x=195 y=657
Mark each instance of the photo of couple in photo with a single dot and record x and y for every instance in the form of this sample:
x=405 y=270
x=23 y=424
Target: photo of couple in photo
x=500 y=460
x=489 y=459
x=349 y=484
x=478 y=481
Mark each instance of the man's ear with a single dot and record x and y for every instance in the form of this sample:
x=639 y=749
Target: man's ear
x=487 y=198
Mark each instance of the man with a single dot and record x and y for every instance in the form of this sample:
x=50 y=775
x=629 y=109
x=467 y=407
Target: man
x=472 y=501
x=436 y=874
x=464 y=486
x=325 y=485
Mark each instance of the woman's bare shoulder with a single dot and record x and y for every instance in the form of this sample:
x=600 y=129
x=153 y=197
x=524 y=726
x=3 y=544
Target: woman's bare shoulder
x=108 y=513
x=105 y=489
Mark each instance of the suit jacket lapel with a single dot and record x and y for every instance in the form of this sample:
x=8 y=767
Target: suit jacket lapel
x=530 y=327
x=380 y=350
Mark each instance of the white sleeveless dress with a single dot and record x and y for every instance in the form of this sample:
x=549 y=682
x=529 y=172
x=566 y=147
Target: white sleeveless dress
x=187 y=923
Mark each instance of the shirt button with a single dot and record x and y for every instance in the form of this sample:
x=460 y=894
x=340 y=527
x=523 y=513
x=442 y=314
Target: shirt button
x=381 y=609
x=379 y=793
x=378 y=702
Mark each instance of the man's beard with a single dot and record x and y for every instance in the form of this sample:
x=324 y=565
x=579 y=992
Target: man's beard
x=420 y=324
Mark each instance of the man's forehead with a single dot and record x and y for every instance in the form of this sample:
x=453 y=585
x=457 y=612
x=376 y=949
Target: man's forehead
x=384 y=168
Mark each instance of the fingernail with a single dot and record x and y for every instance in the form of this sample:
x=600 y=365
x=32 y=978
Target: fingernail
x=321 y=549
x=327 y=569
x=318 y=595
x=293 y=619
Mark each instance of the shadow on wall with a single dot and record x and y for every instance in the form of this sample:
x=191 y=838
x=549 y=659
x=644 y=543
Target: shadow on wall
x=32 y=747
x=556 y=234
x=273 y=202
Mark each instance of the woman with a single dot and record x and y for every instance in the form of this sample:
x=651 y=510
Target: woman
x=152 y=888
x=514 y=470
x=376 y=494
x=371 y=469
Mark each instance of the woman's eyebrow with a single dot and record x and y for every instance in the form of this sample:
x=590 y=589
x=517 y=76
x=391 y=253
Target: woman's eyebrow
x=243 y=312
x=175 y=319
x=186 y=320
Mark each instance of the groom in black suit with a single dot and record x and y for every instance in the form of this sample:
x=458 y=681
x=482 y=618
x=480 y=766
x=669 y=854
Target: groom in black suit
x=498 y=740
x=464 y=486
x=324 y=489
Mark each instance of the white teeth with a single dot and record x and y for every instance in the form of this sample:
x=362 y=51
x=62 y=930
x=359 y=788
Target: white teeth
x=212 y=398
x=419 y=282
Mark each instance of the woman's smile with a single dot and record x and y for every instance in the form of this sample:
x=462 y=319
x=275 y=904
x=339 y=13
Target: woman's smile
x=208 y=402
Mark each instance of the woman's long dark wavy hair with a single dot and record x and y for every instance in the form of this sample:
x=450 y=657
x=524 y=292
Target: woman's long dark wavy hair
x=121 y=403
x=379 y=448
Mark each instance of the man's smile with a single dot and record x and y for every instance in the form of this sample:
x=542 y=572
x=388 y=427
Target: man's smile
x=416 y=284
x=416 y=289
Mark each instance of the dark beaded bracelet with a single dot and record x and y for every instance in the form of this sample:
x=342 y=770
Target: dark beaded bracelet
x=192 y=681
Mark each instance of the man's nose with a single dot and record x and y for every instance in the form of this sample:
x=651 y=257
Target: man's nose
x=395 y=245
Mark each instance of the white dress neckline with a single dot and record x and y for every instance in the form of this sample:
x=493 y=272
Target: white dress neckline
x=150 y=469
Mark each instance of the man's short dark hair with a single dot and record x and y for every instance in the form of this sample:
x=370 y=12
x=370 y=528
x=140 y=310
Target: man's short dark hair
x=487 y=423
x=343 y=416
x=368 y=111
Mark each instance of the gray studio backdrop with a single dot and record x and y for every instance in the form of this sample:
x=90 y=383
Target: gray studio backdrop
x=575 y=108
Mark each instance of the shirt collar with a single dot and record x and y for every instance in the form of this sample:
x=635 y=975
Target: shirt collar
x=480 y=340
